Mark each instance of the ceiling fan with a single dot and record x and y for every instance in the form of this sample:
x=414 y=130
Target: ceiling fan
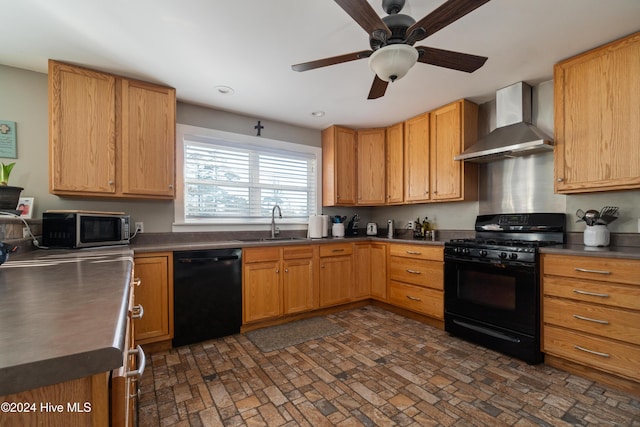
x=392 y=38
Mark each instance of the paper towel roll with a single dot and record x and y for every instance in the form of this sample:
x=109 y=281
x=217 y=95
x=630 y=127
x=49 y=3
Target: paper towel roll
x=315 y=226
x=326 y=222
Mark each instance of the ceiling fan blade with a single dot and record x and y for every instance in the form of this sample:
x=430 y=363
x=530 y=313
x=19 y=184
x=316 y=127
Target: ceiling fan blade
x=378 y=88
x=447 y=13
x=362 y=12
x=448 y=59
x=311 y=65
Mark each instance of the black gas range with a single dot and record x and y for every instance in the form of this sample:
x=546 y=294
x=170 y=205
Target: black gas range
x=492 y=286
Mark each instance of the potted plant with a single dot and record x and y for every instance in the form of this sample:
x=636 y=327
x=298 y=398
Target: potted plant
x=9 y=195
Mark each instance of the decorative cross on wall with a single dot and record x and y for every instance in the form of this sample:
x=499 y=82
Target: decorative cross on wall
x=258 y=127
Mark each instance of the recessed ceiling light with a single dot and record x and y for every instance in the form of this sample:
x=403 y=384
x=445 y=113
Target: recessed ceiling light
x=318 y=113
x=225 y=90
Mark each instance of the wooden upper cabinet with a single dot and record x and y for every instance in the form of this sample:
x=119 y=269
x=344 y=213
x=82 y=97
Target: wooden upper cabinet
x=148 y=139
x=416 y=159
x=370 y=155
x=597 y=119
x=453 y=128
x=109 y=136
x=395 y=164
x=338 y=166
x=82 y=130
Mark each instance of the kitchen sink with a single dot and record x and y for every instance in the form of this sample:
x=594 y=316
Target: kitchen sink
x=272 y=239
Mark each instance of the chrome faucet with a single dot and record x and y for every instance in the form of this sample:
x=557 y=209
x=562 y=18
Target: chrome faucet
x=274 y=231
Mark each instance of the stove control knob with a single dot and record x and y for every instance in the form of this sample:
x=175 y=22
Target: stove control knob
x=503 y=255
x=483 y=252
x=456 y=250
x=513 y=255
x=466 y=251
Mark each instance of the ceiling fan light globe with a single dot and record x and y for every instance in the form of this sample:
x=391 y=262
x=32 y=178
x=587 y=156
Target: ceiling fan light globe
x=392 y=62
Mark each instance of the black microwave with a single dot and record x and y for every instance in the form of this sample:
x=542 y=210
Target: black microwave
x=76 y=229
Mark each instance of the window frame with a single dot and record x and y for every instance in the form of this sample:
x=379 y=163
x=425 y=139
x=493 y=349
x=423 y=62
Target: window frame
x=236 y=224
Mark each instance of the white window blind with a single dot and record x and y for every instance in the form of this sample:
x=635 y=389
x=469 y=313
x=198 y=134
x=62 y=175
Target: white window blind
x=226 y=180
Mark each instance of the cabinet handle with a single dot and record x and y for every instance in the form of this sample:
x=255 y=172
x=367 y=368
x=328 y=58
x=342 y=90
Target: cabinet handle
x=321 y=265
x=413 y=271
x=602 y=322
x=414 y=253
x=586 y=270
x=593 y=294
x=337 y=250
x=142 y=362
x=597 y=353
x=137 y=281
x=413 y=298
x=137 y=311
x=560 y=179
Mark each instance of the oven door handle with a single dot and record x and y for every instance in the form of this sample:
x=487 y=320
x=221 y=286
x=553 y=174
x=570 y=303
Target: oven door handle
x=487 y=331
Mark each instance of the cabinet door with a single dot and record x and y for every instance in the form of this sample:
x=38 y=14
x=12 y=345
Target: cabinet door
x=148 y=139
x=379 y=271
x=416 y=159
x=597 y=131
x=362 y=264
x=298 y=285
x=370 y=154
x=155 y=295
x=395 y=164
x=338 y=166
x=446 y=141
x=82 y=130
x=336 y=278
x=261 y=298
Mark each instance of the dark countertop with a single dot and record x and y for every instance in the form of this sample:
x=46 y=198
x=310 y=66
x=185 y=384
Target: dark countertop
x=63 y=315
x=623 y=252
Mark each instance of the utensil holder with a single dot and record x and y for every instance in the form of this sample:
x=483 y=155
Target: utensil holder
x=337 y=229
x=596 y=235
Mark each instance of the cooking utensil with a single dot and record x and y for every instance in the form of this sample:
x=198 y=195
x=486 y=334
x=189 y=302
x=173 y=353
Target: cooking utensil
x=608 y=214
x=591 y=216
x=580 y=214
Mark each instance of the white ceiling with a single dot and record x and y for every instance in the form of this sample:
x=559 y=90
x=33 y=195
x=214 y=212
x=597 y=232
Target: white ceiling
x=250 y=45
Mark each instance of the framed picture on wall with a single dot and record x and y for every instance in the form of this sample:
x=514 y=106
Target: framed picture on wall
x=25 y=206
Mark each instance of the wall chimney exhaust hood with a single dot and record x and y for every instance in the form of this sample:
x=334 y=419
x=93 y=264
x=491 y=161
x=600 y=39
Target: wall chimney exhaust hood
x=514 y=135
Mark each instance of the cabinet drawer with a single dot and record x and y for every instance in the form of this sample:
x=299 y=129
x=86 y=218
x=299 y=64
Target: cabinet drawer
x=592 y=268
x=336 y=249
x=271 y=253
x=297 y=252
x=416 y=298
x=594 y=319
x=624 y=296
x=434 y=253
x=417 y=271
x=601 y=353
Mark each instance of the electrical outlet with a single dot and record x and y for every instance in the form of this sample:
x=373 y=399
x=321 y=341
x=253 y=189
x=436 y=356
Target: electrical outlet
x=139 y=227
x=25 y=233
x=411 y=225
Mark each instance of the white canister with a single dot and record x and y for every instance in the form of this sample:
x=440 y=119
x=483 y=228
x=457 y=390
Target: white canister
x=596 y=235
x=337 y=230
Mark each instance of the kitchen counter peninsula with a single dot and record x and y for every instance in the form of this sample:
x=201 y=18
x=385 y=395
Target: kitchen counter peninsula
x=63 y=315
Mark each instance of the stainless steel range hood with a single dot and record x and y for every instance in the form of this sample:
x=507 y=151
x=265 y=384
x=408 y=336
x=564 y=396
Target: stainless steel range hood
x=514 y=135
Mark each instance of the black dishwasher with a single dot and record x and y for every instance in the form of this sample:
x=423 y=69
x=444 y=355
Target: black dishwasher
x=207 y=294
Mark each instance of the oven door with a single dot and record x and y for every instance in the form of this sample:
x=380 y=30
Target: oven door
x=504 y=295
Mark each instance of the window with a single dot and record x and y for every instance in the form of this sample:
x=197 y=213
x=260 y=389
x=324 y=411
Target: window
x=230 y=178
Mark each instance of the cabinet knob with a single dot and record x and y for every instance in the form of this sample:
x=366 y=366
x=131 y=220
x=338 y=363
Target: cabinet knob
x=171 y=186
x=277 y=270
x=560 y=179
x=110 y=182
x=286 y=270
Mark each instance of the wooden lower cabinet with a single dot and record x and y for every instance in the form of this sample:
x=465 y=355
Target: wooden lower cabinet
x=370 y=265
x=416 y=278
x=278 y=281
x=300 y=280
x=336 y=273
x=591 y=315
x=154 y=271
